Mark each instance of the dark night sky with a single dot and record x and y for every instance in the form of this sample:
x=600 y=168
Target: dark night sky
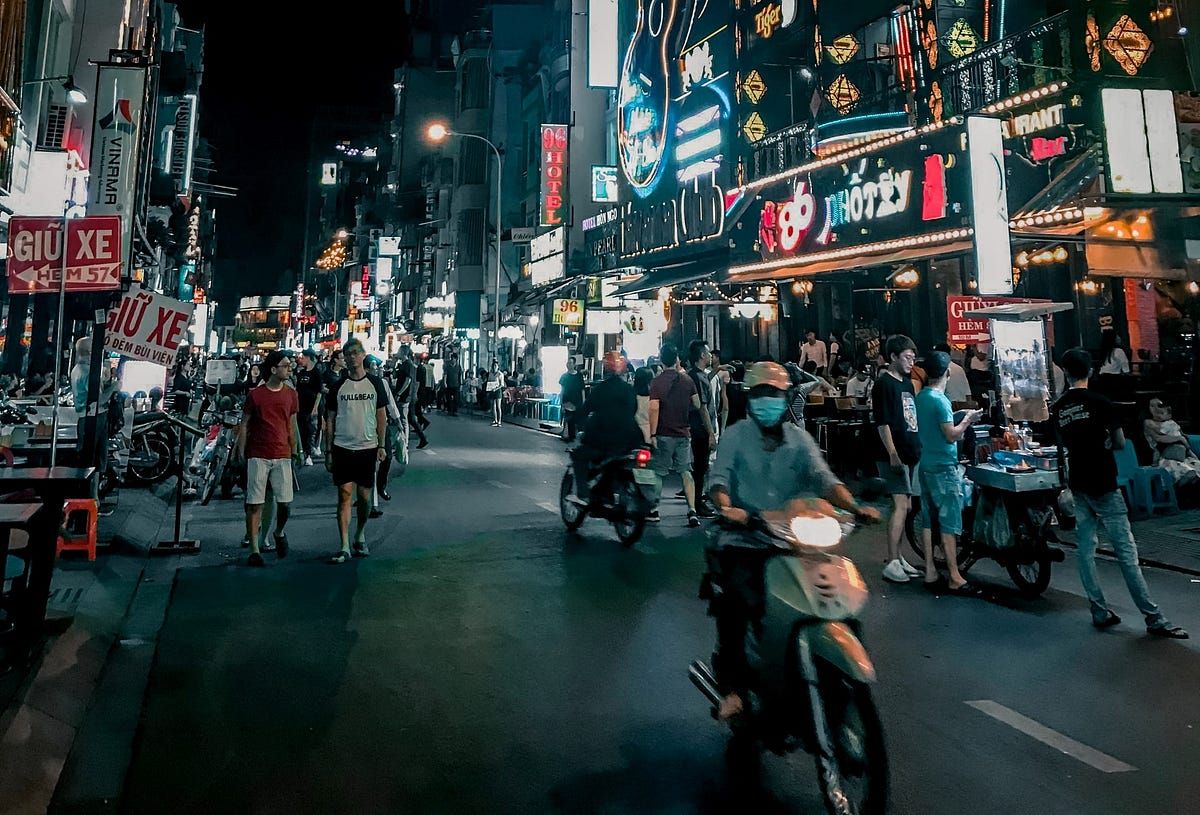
x=268 y=66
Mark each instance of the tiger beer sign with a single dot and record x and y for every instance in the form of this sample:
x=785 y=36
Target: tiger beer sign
x=148 y=326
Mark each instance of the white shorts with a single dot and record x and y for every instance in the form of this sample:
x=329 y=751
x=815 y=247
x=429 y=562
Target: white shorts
x=277 y=472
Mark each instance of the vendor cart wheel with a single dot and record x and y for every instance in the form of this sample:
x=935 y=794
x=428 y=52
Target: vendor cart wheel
x=1031 y=578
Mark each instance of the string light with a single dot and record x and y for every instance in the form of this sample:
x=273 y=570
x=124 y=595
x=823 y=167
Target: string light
x=1026 y=97
x=927 y=239
x=1056 y=217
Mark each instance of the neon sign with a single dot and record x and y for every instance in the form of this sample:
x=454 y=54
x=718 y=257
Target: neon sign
x=867 y=200
x=644 y=96
x=768 y=20
x=554 y=174
x=1042 y=148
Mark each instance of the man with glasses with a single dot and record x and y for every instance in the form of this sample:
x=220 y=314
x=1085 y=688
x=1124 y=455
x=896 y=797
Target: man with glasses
x=266 y=439
x=893 y=401
x=356 y=445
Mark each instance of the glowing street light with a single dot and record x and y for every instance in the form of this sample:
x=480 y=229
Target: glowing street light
x=437 y=132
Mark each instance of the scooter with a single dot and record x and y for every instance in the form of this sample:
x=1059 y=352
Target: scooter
x=621 y=491
x=811 y=673
x=218 y=458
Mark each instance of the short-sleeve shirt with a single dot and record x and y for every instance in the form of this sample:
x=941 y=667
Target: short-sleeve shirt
x=759 y=478
x=308 y=388
x=934 y=410
x=268 y=422
x=704 y=391
x=673 y=391
x=1085 y=422
x=354 y=402
x=895 y=405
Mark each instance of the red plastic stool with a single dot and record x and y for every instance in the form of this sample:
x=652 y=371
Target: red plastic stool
x=85 y=542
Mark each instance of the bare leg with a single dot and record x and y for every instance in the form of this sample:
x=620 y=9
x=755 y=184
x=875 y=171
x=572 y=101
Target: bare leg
x=364 y=513
x=950 y=547
x=931 y=574
x=900 y=504
x=345 y=494
x=253 y=519
x=689 y=490
x=282 y=511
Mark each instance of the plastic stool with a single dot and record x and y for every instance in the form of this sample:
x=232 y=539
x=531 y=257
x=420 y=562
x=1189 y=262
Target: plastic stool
x=85 y=542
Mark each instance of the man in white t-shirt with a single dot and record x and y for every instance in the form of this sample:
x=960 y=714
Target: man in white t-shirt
x=356 y=444
x=814 y=350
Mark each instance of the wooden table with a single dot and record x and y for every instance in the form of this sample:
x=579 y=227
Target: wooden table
x=52 y=486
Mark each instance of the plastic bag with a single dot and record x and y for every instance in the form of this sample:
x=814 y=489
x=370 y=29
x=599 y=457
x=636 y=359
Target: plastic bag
x=992 y=528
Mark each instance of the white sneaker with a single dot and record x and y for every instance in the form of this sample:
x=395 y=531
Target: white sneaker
x=909 y=569
x=308 y=461
x=894 y=572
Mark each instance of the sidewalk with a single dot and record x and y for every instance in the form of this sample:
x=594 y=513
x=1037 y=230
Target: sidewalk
x=1169 y=542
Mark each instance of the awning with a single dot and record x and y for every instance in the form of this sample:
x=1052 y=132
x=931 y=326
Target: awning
x=1072 y=183
x=675 y=275
x=1017 y=312
x=540 y=294
x=847 y=264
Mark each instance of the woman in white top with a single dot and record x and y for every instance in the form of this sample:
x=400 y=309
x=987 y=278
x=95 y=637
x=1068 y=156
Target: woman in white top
x=495 y=391
x=1113 y=360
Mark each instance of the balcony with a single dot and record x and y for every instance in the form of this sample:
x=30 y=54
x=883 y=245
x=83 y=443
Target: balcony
x=1030 y=59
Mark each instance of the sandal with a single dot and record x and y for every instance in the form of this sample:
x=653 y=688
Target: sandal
x=341 y=557
x=967 y=589
x=1167 y=631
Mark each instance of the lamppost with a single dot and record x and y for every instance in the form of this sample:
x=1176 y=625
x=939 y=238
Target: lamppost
x=438 y=133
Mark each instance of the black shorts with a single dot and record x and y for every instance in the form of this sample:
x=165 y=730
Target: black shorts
x=355 y=466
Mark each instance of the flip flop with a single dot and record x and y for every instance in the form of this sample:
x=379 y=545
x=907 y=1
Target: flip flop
x=935 y=586
x=1171 y=632
x=967 y=589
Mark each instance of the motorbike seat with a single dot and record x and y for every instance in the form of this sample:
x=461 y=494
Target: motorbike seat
x=148 y=416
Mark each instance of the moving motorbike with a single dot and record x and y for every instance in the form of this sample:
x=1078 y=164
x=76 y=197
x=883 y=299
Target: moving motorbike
x=811 y=673
x=622 y=492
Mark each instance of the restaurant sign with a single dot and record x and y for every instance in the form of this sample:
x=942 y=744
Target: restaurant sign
x=918 y=186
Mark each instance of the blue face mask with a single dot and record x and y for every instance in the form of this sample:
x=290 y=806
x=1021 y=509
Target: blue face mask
x=768 y=411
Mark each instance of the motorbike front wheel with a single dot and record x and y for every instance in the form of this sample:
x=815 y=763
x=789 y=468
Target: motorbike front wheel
x=215 y=470
x=573 y=515
x=1031 y=578
x=150 y=458
x=856 y=783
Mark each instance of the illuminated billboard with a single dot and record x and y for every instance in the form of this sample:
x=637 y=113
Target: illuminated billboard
x=554 y=175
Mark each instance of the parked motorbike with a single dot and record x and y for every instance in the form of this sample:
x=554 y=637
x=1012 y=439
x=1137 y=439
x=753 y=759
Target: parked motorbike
x=151 y=448
x=621 y=491
x=811 y=673
x=216 y=474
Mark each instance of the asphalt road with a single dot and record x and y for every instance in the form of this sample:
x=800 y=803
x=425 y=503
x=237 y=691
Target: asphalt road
x=482 y=660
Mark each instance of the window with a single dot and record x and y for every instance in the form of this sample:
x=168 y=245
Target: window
x=474 y=85
x=470 y=237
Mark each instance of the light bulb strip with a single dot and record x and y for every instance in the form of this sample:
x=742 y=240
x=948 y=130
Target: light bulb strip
x=1048 y=218
x=854 y=152
x=1025 y=97
x=928 y=239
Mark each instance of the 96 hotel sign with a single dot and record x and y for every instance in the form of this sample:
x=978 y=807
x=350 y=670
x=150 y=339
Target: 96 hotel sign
x=35 y=262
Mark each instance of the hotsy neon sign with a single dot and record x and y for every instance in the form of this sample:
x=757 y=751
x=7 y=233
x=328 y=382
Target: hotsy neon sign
x=886 y=195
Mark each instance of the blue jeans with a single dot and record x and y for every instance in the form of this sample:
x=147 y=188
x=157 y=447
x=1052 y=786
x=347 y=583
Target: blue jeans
x=1109 y=510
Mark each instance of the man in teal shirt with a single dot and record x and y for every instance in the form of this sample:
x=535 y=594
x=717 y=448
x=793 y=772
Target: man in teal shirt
x=941 y=485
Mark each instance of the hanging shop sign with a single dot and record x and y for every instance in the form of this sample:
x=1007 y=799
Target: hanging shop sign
x=547 y=257
x=963 y=331
x=918 y=186
x=35 y=254
x=555 y=139
x=120 y=94
x=183 y=143
x=568 y=312
x=148 y=326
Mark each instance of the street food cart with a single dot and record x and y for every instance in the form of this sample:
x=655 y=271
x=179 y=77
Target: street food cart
x=1017 y=490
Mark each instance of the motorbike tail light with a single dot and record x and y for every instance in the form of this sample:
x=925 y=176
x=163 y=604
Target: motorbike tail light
x=642 y=457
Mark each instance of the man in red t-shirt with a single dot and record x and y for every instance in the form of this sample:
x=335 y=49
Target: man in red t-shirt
x=266 y=441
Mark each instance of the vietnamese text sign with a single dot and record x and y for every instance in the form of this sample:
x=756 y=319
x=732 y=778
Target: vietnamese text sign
x=554 y=174
x=148 y=326
x=120 y=93
x=568 y=312
x=35 y=254
x=962 y=331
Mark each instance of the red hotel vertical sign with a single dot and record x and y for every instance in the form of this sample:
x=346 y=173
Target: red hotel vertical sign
x=554 y=174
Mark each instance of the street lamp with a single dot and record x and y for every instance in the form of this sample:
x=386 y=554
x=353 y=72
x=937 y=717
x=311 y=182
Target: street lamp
x=75 y=94
x=439 y=132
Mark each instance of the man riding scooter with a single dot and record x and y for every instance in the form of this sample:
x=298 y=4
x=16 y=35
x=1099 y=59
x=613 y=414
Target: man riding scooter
x=771 y=469
x=609 y=421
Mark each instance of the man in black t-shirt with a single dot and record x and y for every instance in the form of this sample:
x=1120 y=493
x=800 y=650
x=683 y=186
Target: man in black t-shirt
x=308 y=389
x=1088 y=428
x=895 y=412
x=703 y=427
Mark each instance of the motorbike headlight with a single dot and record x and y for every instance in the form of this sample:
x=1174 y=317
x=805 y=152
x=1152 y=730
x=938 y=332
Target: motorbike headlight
x=816 y=531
